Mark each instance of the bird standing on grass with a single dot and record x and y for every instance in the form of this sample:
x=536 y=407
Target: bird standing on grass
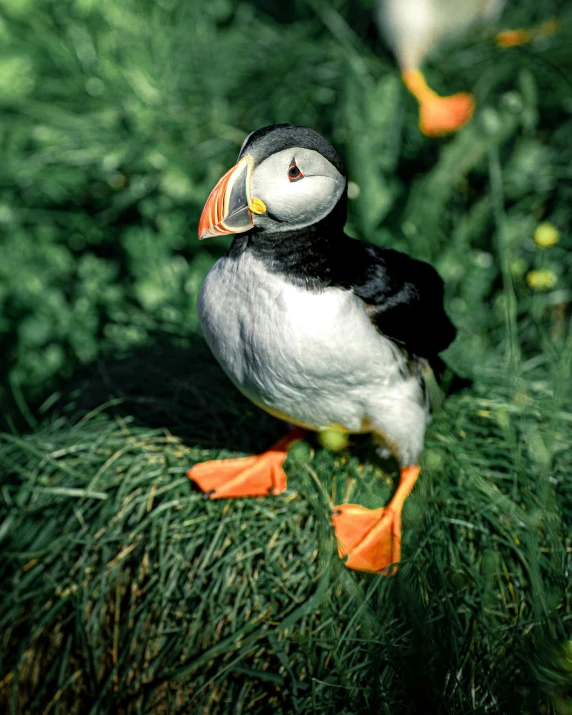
x=413 y=27
x=318 y=329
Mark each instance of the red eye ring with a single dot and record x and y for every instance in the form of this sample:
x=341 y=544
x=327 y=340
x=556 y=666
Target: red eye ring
x=294 y=173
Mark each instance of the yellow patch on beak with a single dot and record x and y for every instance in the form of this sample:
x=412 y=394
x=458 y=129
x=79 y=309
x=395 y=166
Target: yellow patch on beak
x=257 y=206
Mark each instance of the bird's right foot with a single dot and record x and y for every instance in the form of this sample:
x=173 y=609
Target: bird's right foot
x=255 y=476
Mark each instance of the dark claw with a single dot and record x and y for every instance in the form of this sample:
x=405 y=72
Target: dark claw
x=335 y=512
x=208 y=495
x=272 y=490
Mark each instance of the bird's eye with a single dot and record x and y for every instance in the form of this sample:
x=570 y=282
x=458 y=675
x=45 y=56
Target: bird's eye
x=294 y=173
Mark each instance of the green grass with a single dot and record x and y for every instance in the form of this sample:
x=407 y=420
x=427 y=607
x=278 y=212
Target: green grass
x=128 y=592
x=121 y=590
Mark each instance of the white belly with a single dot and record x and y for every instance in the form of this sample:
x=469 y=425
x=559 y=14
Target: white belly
x=312 y=358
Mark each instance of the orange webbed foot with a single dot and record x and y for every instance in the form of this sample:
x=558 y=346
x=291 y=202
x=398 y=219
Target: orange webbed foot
x=258 y=475
x=442 y=115
x=438 y=115
x=371 y=538
x=365 y=536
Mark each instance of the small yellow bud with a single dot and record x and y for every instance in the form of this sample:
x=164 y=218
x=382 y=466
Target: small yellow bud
x=353 y=190
x=333 y=439
x=513 y=38
x=432 y=460
x=546 y=235
x=548 y=28
x=541 y=280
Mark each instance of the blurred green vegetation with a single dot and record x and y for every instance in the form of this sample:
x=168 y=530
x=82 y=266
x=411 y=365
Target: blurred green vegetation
x=118 y=118
x=121 y=590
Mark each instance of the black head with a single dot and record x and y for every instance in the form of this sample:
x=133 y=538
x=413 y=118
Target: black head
x=261 y=143
x=287 y=177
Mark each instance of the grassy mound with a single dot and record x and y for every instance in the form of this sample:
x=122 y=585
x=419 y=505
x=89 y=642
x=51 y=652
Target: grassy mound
x=124 y=591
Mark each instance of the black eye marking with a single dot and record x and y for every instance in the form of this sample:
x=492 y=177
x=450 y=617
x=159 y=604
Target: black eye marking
x=294 y=173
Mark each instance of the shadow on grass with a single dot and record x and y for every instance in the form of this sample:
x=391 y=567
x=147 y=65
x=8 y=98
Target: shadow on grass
x=182 y=389
x=179 y=388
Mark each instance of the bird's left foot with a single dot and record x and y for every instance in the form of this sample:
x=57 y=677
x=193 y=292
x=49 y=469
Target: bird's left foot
x=371 y=538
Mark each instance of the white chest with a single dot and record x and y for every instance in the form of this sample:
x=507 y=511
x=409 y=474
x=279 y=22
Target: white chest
x=310 y=356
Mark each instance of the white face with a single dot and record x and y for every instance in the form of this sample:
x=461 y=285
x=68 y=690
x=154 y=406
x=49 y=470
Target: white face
x=299 y=187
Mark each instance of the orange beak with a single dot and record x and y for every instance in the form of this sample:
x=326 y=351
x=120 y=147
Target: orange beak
x=227 y=207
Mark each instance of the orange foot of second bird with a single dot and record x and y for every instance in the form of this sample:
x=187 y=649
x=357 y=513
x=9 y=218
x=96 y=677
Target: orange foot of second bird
x=442 y=115
x=438 y=115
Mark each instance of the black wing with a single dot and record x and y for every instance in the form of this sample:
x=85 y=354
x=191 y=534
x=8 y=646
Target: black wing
x=403 y=296
x=404 y=299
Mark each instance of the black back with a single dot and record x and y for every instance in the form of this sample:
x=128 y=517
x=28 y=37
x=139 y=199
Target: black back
x=403 y=296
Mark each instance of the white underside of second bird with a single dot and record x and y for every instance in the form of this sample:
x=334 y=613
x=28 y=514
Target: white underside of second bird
x=310 y=358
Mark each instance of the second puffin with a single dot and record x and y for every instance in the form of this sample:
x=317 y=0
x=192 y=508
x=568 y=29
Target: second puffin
x=317 y=328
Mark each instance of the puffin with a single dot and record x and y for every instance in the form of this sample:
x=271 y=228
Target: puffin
x=320 y=330
x=412 y=28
